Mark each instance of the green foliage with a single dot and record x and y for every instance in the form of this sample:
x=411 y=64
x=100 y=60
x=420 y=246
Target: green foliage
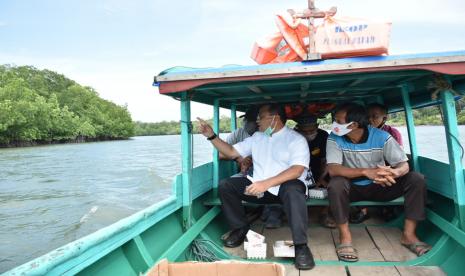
x=43 y=106
x=174 y=127
x=422 y=116
x=426 y=116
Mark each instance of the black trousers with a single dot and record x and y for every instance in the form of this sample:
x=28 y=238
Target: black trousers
x=291 y=195
x=412 y=186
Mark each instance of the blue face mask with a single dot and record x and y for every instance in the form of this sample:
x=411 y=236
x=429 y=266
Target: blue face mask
x=269 y=131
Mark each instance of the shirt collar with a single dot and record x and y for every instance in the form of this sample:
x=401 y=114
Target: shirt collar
x=280 y=132
x=364 y=137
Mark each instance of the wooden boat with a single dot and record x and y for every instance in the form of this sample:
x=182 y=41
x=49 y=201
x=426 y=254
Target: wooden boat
x=168 y=228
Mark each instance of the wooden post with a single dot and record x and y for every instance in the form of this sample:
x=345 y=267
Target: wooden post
x=186 y=148
x=233 y=128
x=310 y=14
x=312 y=54
x=454 y=152
x=216 y=160
x=233 y=118
x=412 y=138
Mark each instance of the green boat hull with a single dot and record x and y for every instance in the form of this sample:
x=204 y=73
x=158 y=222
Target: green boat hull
x=135 y=244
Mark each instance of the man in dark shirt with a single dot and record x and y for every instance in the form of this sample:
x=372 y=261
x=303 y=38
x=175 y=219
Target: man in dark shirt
x=307 y=125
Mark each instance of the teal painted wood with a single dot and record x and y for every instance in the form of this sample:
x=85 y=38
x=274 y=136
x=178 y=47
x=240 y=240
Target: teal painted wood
x=233 y=118
x=313 y=79
x=202 y=180
x=127 y=255
x=143 y=251
x=447 y=227
x=437 y=176
x=318 y=202
x=216 y=129
x=322 y=91
x=455 y=151
x=412 y=138
x=177 y=188
x=233 y=128
x=77 y=255
x=186 y=148
x=183 y=242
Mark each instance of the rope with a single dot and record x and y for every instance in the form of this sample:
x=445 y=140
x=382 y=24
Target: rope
x=439 y=84
x=451 y=135
x=200 y=251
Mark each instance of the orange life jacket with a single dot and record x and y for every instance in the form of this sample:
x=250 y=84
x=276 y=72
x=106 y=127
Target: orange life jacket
x=335 y=38
x=293 y=111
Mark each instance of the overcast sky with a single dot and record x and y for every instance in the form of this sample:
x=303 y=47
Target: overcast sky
x=117 y=47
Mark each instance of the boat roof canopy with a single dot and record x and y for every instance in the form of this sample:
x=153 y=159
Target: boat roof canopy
x=363 y=80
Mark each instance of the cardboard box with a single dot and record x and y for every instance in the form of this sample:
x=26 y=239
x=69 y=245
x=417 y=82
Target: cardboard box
x=221 y=268
x=340 y=37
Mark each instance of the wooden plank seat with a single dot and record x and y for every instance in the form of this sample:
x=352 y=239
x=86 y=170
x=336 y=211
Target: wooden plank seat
x=320 y=202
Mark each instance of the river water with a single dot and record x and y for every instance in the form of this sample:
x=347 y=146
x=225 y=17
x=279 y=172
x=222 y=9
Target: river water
x=52 y=195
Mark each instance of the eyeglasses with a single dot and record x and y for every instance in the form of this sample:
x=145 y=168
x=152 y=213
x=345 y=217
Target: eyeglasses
x=264 y=118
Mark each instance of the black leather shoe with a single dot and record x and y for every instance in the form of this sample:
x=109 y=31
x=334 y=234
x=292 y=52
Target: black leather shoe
x=359 y=217
x=303 y=257
x=236 y=237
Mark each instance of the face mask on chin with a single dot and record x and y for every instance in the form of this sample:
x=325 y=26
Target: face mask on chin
x=269 y=131
x=341 y=129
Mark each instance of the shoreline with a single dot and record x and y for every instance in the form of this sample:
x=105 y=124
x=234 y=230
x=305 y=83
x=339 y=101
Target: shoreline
x=28 y=144
x=91 y=140
x=322 y=126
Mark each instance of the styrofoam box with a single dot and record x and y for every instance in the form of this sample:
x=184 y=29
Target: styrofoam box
x=254 y=237
x=283 y=249
x=256 y=251
x=318 y=193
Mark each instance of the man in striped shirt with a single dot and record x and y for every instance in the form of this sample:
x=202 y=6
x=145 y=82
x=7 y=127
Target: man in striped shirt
x=356 y=155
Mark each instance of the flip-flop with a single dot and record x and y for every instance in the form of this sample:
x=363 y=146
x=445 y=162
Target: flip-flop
x=346 y=256
x=418 y=248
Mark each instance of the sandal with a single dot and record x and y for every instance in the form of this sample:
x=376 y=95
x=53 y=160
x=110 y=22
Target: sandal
x=327 y=221
x=418 y=248
x=344 y=255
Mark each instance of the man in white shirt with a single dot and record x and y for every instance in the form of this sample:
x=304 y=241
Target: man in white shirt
x=280 y=170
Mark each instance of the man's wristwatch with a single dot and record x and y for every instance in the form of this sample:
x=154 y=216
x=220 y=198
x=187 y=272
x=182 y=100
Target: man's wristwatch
x=212 y=137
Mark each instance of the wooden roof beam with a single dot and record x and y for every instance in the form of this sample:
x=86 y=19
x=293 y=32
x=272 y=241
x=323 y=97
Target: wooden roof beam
x=320 y=91
x=312 y=80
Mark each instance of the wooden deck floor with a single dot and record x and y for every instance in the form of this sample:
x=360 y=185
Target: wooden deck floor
x=374 y=244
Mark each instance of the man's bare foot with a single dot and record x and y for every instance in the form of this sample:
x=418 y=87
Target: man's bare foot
x=408 y=238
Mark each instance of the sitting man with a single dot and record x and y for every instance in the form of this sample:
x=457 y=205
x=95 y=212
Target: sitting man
x=280 y=164
x=377 y=115
x=356 y=154
x=307 y=125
